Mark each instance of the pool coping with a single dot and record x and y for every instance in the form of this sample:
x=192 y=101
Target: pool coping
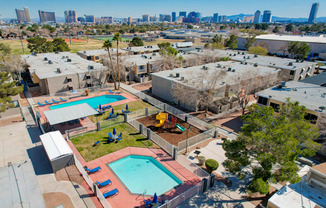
x=138 y=194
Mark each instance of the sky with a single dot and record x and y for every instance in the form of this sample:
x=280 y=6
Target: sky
x=135 y=8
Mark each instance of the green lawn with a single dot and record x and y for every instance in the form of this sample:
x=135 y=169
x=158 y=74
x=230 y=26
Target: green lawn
x=130 y=138
x=133 y=106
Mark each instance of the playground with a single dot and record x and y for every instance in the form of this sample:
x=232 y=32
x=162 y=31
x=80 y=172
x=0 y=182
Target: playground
x=169 y=127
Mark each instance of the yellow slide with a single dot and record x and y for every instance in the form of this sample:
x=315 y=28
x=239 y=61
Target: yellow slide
x=162 y=117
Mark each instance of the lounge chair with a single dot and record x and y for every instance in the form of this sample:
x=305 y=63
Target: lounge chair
x=96 y=143
x=93 y=170
x=70 y=122
x=63 y=100
x=40 y=104
x=111 y=91
x=55 y=101
x=110 y=135
x=49 y=103
x=118 y=139
x=110 y=193
x=83 y=118
x=104 y=183
x=77 y=120
x=63 y=123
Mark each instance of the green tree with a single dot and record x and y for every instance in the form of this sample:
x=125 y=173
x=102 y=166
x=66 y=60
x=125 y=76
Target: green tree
x=298 y=49
x=172 y=51
x=289 y=27
x=108 y=44
x=264 y=26
x=276 y=29
x=164 y=45
x=218 y=39
x=250 y=41
x=258 y=26
x=211 y=165
x=136 y=41
x=268 y=145
x=190 y=27
x=37 y=44
x=258 y=50
x=49 y=27
x=59 y=44
x=231 y=42
x=117 y=38
x=33 y=28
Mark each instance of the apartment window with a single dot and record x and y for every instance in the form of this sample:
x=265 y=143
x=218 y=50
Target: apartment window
x=302 y=70
x=89 y=58
x=275 y=106
x=262 y=100
x=311 y=117
x=88 y=85
x=69 y=80
x=70 y=88
x=292 y=72
x=97 y=58
x=88 y=77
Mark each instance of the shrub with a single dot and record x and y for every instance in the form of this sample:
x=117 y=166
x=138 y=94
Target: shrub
x=258 y=185
x=201 y=160
x=211 y=165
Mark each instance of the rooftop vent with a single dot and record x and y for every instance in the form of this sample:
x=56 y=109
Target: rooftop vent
x=246 y=63
x=177 y=75
x=243 y=53
x=170 y=75
x=84 y=51
x=90 y=67
x=255 y=64
x=56 y=52
x=218 y=66
x=67 y=56
x=229 y=69
x=290 y=63
x=63 y=57
x=205 y=67
x=45 y=59
x=235 y=54
x=68 y=60
x=283 y=84
x=182 y=78
x=244 y=57
x=297 y=60
x=58 y=70
x=233 y=70
x=255 y=55
x=238 y=52
x=33 y=53
x=50 y=62
x=248 y=57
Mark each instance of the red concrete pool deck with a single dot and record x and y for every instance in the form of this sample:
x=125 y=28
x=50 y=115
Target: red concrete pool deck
x=125 y=198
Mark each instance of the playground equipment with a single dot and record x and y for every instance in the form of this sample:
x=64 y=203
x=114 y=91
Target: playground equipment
x=180 y=127
x=162 y=117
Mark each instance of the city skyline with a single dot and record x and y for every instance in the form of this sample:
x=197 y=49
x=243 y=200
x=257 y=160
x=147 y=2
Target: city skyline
x=137 y=9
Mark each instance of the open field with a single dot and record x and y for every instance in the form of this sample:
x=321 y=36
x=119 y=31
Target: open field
x=130 y=138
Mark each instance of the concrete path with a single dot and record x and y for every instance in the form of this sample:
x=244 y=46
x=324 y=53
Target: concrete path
x=129 y=88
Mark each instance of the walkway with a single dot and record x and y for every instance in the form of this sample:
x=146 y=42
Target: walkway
x=129 y=88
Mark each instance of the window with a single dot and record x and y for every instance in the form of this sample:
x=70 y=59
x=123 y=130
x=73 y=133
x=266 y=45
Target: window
x=88 y=85
x=70 y=88
x=89 y=58
x=292 y=72
x=88 y=77
x=262 y=100
x=97 y=58
x=302 y=70
x=275 y=106
x=311 y=117
x=69 y=80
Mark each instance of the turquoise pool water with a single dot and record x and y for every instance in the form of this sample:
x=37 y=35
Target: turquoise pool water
x=144 y=174
x=94 y=102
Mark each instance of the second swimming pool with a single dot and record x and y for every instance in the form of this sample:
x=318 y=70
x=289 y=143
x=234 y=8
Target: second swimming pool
x=94 y=102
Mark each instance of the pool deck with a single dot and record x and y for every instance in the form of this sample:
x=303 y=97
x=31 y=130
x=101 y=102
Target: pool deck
x=125 y=198
x=86 y=122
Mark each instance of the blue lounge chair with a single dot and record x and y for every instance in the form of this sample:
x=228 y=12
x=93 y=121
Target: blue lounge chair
x=104 y=183
x=147 y=203
x=40 y=104
x=77 y=120
x=93 y=170
x=120 y=135
x=83 y=118
x=111 y=91
x=63 y=123
x=63 y=100
x=110 y=193
x=49 y=103
x=55 y=101
x=118 y=139
x=70 y=122
x=110 y=135
x=96 y=143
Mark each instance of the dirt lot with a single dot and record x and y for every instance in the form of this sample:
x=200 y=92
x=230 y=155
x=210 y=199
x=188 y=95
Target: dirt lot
x=170 y=133
x=55 y=199
x=142 y=87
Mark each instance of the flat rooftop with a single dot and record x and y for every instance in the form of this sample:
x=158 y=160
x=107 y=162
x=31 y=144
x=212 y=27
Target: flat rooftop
x=299 y=195
x=234 y=72
x=68 y=63
x=310 y=95
x=141 y=59
x=100 y=52
x=319 y=79
x=142 y=48
x=300 y=38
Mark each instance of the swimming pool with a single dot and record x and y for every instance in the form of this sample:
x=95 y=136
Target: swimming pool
x=94 y=102
x=143 y=174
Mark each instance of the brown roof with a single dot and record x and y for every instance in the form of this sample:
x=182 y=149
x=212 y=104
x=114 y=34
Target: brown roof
x=321 y=168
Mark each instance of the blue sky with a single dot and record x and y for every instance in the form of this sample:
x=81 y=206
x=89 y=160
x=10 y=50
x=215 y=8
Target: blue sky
x=135 y=8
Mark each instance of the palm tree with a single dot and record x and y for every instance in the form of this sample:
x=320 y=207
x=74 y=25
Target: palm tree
x=108 y=44
x=117 y=37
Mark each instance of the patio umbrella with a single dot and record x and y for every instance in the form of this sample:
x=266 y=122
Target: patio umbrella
x=155 y=198
x=114 y=132
x=100 y=106
x=127 y=108
x=112 y=111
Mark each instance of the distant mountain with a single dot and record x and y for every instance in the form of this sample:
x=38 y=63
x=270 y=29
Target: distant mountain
x=278 y=19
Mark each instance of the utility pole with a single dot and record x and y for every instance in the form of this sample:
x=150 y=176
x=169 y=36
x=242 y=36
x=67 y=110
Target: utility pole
x=86 y=28
x=20 y=37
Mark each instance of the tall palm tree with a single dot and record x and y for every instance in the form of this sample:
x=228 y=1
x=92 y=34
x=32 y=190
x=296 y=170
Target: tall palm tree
x=108 y=44
x=117 y=37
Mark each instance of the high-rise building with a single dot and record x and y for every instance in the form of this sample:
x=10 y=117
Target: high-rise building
x=174 y=16
x=248 y=19
x=106 y=20
x=215 y=18
x=193 y=17
x=313 y=12
x=46 y=16
x=154 y=19
x=23 y=15
x=89 y=18
x=222 y=18
x=81 y=19
x=165 y=18
x=267 y=16
x=183 y=14
x=70 y=16
x=257 y=16
x=146 y=18
x=28 y=18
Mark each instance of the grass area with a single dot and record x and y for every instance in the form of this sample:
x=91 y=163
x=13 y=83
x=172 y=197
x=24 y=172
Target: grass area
x=130 y=138
x=133 y=106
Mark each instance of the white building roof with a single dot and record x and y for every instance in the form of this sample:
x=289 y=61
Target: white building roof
x=55 y=145
x=300 y=38
x=43 y=69
x=100 y=52
x=142 y=48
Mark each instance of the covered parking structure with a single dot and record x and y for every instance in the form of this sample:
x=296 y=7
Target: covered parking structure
x=70 y=113
x=57 y=149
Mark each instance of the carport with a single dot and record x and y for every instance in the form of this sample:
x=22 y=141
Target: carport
x=70 y=113
x=57 y=149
